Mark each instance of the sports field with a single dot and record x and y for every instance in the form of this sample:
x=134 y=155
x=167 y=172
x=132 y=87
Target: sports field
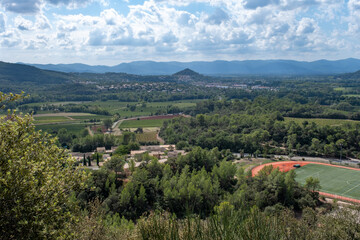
x=334 y=180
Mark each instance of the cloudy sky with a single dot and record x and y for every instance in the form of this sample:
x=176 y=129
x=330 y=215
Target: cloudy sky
x=108 y=32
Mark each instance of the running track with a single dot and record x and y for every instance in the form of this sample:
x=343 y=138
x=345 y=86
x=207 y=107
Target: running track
x=289 y=165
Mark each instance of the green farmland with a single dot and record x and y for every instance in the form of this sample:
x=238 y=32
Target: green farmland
x=142 y=123
x=333 y=180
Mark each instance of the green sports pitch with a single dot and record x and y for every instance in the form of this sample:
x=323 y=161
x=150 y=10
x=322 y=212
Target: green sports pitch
x=333 y=180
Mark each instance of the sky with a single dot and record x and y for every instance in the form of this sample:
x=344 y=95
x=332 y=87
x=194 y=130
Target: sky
x=109 y=32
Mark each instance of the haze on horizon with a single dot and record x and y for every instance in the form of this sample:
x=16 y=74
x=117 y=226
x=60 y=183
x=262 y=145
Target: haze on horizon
x=109 y=32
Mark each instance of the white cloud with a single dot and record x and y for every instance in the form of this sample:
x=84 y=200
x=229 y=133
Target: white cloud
x=158 y=29
x=42 y=22
x=2 y=22
x=21 y=6
x=23 y=24
x=35 y=6
x=306 y=26
x=10 y=39
x=218 y=17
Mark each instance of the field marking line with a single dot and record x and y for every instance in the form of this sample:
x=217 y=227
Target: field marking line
x=314 y=174
x=351 y=189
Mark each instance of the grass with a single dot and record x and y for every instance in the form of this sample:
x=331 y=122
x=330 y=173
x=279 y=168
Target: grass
x=71 y=118
x=39 y=104
x=352 y=95
x=92 y=116
x=323 y=121
x=142 y=123
x=73 y=128
x=121 y=107
x=51 y=119
x=343 y=89
x=333 y=180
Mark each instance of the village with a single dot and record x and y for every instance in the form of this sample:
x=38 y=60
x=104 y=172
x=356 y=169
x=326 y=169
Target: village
x=101 y=155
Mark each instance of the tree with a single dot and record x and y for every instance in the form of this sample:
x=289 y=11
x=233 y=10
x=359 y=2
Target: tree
x=312 y=184
x=107 y=123
x=36 y=181
x=89 y=161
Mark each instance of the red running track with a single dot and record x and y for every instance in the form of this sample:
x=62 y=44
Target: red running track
x=289 y=165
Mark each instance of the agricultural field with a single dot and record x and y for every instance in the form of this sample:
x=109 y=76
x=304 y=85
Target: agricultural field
x=73 y=128
x=54 y=119
x=141 y=110
x=67 y=117
x=352 y=95
x=146 y=137
x=323 y=121
x=333 y=180
x=142 y=123
x=72 y=122
x=39 y=104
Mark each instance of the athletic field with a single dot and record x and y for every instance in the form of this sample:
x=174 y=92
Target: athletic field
x=333 y=180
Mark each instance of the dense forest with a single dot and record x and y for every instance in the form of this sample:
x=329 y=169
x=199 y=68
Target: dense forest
x=258 y=127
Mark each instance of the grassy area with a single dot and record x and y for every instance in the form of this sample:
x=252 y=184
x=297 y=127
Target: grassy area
x=142 y=123
x=39 y=104
x=323 y=121
x=51 y=119
x=73 y=128
x=121 y=107
x=352 y=95
x=343 y=89
x=92 y=116
x=146 y=137
x=333 y=180
x=74 y=118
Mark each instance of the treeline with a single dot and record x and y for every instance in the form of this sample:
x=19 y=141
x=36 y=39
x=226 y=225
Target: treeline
x=193 y=184
x=262 y=134
x=286 y=106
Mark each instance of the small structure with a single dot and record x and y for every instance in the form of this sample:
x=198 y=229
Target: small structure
x=135 y=152
x=101 y=149
x=106 y=157
x=156 y=154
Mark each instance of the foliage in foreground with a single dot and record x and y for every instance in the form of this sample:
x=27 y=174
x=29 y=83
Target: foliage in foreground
x=36 y=181
x=230 y=224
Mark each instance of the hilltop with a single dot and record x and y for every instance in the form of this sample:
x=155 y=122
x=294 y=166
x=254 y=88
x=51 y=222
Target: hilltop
x=186 y=72
x=18 y=73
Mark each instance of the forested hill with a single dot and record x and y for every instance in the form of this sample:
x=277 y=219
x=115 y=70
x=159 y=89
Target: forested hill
x=19 y=73
x=247 y=67
x=187 y=72
x=353 y=75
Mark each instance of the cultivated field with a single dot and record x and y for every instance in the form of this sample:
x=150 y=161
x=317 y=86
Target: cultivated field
x=146 y=137
x=150 y=108
x=142 y=123
x=333 y=180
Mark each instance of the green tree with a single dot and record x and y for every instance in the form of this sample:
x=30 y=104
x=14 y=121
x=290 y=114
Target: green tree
x=107 y=123
x=36 y=181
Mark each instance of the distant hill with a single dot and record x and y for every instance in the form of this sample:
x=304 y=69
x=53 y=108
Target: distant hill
x=186 y=72
x=248 y=67
x=19 y=73
x=353 y=75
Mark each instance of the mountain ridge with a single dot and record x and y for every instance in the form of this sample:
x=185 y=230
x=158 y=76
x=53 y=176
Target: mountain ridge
x=218 y=67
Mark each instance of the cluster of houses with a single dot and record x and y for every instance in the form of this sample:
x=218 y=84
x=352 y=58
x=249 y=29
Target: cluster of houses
x=161 y=152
